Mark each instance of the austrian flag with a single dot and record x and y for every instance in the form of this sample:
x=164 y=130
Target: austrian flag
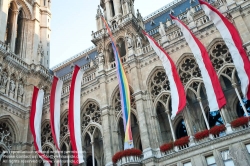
x=215 y=95
x=55 y=103
x=233 y=41
x=178 y=95
x=35 y=123
x=74 y=115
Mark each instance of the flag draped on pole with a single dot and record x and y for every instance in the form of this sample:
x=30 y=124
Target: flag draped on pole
x=215 y=95
x=124 y=93
x=55 y=102
x=178 y=95
x=74 y=116
x=233 y=41
x=35 y=123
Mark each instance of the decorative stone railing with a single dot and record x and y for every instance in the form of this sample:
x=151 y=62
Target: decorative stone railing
x=112 y=65
x=66 y=89
x=175 y=35
x=14 y=58
x=202 y=20
x=113 y=27
x=46 y=99
x=129 y=161
x=88 y=78
x=148 y=48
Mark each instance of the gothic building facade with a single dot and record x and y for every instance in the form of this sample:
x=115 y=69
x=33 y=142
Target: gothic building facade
x=24 y=63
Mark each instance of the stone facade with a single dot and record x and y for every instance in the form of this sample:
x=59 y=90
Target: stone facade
x=101 y=117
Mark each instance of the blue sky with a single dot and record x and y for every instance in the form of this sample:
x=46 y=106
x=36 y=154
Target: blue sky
x=73 y=21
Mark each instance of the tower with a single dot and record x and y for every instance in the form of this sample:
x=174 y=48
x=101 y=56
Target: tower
x=25 y=30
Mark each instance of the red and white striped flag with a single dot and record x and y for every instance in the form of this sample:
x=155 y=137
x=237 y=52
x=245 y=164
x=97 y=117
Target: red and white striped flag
x=74 y=115
x=178 y=95
x=55 y=103
x=233 y=41
x=35 y=123
x=215 y=95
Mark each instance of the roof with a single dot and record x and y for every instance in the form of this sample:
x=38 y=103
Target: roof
x=162 y=14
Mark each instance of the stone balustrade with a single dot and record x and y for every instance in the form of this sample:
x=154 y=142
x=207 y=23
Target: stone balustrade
x=114 y=27
x=129 y=161
x=112 y=65
x=202 y=20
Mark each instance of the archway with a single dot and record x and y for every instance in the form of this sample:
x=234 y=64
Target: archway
x=20 y=25
x=135 y=133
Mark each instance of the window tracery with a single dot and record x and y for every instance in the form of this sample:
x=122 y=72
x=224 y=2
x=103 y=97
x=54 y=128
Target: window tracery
x=6 y=136
x=46 y=134
x=91 y=113
x=159 y=82
x=117 y=101
x=188 y=69
x=220 y=56
x=64 y=126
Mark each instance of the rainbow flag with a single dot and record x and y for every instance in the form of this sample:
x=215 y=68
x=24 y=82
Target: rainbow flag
x=124 y=93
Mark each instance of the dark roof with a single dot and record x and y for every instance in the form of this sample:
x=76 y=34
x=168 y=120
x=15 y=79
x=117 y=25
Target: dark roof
x=81 y=62
x=178 y=9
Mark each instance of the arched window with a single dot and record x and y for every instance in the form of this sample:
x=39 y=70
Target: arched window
x=181 y=130
x=163 y=121
x=121 y=47
x=112 y=8
x=111 y=55
x=19 y=32
x=10 y=24
x=93 y=140
x=135 y=133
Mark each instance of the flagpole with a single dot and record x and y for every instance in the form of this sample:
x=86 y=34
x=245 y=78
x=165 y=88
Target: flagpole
x=93 y=153
x=171 y=125
x=239 y=97
x=203 y=112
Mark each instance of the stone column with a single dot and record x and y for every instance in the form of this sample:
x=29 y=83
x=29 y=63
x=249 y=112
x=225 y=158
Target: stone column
x=108 y=9
x=241 y=26
x=16 y=88
x=107 y=136
x=117 y=6
x=14 y=31
x=141 y=107
x=93 y=152
x=7 y=86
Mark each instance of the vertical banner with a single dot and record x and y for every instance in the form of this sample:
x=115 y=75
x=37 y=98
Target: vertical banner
x=55 y=104
x=215 y=95
x=35 y=123
x=74 y=116
x=124 y=93
x=233 y=41
x=178 y=95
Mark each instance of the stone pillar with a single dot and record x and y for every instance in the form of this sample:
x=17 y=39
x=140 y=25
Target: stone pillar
x=107 y=136
x=141 y=107
x=142 y=121
x=241 y=26
x=14 y=31
x=7 y=86
x=3 y=18
x=16 y=88
x=117 y=6
x=108 y=9
x=106 y=121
